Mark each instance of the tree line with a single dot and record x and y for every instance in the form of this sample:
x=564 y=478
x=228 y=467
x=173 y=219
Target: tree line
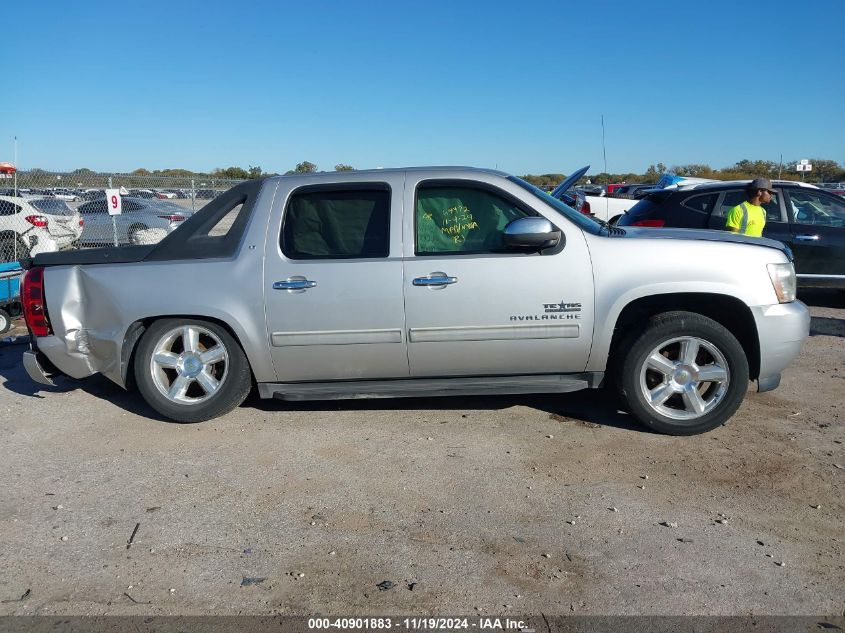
x=824 y=170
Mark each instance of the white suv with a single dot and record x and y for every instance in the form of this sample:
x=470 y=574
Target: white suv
x=33 y=226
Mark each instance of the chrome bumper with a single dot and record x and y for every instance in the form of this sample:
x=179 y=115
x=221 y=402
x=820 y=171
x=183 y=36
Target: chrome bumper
x=782 y=329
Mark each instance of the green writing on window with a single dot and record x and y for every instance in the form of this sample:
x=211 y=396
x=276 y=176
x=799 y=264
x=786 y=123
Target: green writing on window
x=461 y=220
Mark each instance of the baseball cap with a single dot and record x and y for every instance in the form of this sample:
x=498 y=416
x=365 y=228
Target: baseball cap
x=761 y=183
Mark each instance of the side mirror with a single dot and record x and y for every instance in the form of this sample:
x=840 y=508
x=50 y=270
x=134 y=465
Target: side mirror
x=531 y=233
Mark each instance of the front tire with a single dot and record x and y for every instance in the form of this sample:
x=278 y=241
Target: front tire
x=685 y=374
x=191 y=370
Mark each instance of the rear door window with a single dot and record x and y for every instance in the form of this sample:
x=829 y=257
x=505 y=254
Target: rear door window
x=337 y=223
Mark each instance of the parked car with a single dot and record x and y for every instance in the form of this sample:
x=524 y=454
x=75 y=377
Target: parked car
x=163 y=194
x=811 y=221
x=418 y=282
x=602 y=207
x=19 y=193
x=142 y=193
x=178 y=193
x=64 y=222
x=629 y=191
x=138 y=214
x=206 y=194
x=92 y=194
x=836 y=188
x=592 y=190
x=32 y=226
x=65 y=194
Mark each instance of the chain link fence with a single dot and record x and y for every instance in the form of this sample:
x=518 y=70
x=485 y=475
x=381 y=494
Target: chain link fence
x=47 y=211
x=42 y=212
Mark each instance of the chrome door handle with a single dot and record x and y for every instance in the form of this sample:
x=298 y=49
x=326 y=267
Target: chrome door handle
x=294 y=284
x=806 y=238
x=441 y=280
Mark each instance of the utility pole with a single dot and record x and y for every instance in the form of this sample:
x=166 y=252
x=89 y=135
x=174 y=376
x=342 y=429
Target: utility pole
x=604 y=150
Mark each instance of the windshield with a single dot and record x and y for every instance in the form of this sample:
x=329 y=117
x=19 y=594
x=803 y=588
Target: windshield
x=583 y=221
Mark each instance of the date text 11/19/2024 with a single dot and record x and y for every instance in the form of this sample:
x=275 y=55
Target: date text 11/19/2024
x=417 y=624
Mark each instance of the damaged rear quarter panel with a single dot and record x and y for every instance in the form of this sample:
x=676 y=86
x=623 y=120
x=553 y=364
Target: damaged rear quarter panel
x=92 y=307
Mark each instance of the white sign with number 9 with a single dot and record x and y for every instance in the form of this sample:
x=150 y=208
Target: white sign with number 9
x=113 y=201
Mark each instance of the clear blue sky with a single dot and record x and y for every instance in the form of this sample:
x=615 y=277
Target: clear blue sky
x=115 y=86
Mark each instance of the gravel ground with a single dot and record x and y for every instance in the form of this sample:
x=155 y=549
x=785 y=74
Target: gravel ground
x=502 y=505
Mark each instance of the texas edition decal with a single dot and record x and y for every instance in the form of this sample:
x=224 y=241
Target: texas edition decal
x=553 y=312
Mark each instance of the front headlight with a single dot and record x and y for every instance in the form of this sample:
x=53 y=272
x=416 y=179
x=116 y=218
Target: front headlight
x=783 y=280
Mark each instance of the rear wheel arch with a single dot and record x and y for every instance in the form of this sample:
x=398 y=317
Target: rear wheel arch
x=191 y=369
x=728 y=311
x=136 y=330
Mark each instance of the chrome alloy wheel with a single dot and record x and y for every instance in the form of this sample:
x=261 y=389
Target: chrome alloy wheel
x=189 y=364
x=684 y=378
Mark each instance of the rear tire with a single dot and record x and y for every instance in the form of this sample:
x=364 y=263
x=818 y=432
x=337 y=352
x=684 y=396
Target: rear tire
x=685 y=374
x=191 y=370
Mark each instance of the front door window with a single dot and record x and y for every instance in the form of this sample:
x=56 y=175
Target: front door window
x=462 y=220
x=812 y=207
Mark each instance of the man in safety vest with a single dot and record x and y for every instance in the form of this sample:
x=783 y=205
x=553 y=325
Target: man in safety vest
x=749 y=218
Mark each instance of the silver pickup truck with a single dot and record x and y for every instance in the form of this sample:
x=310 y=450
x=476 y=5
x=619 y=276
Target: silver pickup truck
x=418 y=282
